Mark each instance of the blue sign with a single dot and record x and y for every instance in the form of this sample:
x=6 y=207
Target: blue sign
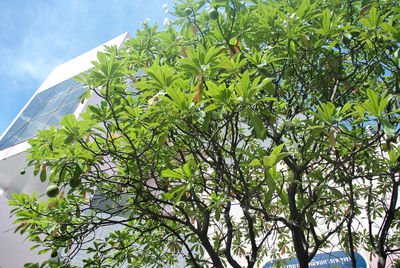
x=323 y=260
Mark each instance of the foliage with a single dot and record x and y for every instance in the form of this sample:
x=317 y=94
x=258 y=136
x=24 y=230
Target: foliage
x=267 y=129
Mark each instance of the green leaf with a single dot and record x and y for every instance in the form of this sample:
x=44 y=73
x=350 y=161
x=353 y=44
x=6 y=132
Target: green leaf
x=326 y=21
x=245 y=82
x=172 y=174
x=217 y=214
x=179 y=98
x=211 y=107
x=257 y=124
x=284 y=198
x=255 y=163
x=43 y=251
x=43 y=175
x=276 y=156
x=187 y=170
x=372 y=105
x=393 y=156
x=311 y=220
x=69 y=121
x=277 y=149
x=35 y=246
x=271 y=183
x=388 y=128
x=62 y=173
x=176 y=192
x=206 y=122
x=271 y=160
x=396 y=57
x=77 y=172
x=331 y=138
x=336 y=192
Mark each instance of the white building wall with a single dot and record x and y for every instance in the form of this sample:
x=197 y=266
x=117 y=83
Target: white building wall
x=14 y=251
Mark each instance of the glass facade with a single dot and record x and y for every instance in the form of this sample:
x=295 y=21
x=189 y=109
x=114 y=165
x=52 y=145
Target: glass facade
x=46 y=109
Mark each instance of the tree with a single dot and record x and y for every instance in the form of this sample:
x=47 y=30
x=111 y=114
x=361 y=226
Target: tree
x=259 y=129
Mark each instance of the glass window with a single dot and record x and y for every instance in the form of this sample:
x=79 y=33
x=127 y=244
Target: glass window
x=23 y=119
x=10 y=137
x=46 y=109
x=42 y=96
x=50 y=106
x=73 y=96
x=35 y=102
x=59 y=114
x=60 y=89
x=32 y=111
x=31 y=129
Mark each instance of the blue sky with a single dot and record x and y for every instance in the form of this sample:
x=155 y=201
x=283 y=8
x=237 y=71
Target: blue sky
x=36 y=36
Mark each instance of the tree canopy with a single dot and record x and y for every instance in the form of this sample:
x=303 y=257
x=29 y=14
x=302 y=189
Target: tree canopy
x=243 y=131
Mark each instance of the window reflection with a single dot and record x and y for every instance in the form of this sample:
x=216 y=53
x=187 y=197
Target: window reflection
x=46 y=109
x=59 y=114
x=10 y=137
x=31 y=129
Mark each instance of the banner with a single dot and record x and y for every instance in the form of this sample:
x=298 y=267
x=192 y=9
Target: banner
x=322 y=260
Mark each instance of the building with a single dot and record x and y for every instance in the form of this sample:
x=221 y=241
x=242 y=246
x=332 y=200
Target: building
x=56 y=97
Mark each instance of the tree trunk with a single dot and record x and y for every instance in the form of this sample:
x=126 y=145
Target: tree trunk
x=298 y=238
x=216 y=260
x=382 y=261
x=389 y=218
x=301 y=253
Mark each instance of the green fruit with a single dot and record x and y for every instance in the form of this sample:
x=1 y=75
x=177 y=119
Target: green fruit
x=54 y=253
x=271 y=119
x=289 y=71
x=74 y=183
x=188 y=11
x=22 y=171
x=52 y=191
x=213 y=13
